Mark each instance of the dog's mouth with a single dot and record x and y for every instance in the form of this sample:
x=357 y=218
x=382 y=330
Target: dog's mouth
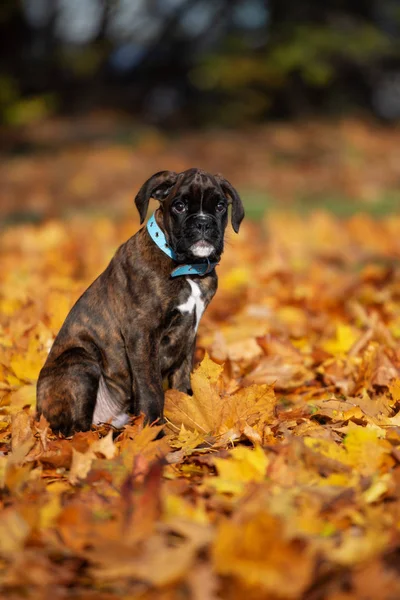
x=196 y=249
x=202 y=249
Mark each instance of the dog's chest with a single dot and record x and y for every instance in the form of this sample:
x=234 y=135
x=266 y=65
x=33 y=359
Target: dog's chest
x=194 y=303
x=191 y=299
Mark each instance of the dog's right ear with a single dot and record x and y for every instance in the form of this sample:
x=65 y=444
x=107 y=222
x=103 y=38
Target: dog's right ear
x=158 y=187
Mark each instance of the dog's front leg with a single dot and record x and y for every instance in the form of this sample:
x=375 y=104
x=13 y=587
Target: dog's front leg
x=179 y=379
x=147 y=389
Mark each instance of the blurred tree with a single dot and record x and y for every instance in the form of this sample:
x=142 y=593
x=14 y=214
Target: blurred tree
x=195 y=61
x=316 y=56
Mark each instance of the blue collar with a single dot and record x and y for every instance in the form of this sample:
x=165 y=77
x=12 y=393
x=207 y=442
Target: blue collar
x=157 y=235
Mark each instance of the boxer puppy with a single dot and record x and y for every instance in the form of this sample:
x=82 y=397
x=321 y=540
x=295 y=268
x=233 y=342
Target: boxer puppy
x=136 y=324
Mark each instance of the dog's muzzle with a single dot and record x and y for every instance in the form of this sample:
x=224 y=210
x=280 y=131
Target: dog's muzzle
x=202 y=229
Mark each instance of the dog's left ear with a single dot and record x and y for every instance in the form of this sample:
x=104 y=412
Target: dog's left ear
x=237 y=206
x=158 y=186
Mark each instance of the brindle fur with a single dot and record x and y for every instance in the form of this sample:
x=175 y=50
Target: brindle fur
x=126 y=328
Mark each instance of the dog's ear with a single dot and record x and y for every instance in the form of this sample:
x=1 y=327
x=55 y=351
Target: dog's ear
x=237 y=206
x=158 y=187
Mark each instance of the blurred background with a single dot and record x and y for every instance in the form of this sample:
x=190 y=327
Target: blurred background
x=297 y=103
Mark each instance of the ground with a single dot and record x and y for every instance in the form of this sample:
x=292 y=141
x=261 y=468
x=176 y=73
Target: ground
x=279 y=478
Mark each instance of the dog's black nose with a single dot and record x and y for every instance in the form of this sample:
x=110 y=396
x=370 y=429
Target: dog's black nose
x=203 y=224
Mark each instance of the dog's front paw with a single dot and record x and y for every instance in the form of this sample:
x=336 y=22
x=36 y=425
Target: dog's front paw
x=186 y=389
x=156 y=421
x=59 y=416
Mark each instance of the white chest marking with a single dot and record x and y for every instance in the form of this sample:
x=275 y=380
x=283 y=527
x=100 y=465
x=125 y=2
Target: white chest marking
x=194 y=302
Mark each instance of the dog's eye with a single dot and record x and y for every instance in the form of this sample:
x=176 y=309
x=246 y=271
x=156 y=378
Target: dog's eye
x=221 y=206
x=179 y=206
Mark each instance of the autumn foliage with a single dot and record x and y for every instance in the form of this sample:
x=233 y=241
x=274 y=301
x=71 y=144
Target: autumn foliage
x=278 y=479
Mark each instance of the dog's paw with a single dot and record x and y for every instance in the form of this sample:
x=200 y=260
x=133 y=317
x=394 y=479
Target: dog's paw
x=160 y=435
x=185 y=389
x=156 y=422
x=59 y=417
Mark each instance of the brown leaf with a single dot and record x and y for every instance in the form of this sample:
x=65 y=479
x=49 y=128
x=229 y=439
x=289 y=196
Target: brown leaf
x=82 y=461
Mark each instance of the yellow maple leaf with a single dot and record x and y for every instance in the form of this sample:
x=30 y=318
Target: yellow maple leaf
x=177 y=507
x=362 y=448
x=187 y=439
x=251 y=405
x=365 y=449
x=141 y=442
x=50 y=511
x=208 y=370
x=344 y=339
x=327 y=448
x=243 y=465
x=27 y=366
x=210 y=411
x=24 y=396
x=202 y=411
x=254 y=550
x=202 y=416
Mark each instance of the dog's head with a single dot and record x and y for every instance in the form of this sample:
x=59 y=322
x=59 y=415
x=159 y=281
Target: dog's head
x=194 y=210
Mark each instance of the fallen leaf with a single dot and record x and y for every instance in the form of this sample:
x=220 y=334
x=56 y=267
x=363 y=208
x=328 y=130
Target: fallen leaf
x=254 y=551
x=244 y=465
x=21 y=432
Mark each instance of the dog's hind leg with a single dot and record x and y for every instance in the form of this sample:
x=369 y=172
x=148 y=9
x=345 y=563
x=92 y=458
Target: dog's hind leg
x=66 y=394
x=109 y=408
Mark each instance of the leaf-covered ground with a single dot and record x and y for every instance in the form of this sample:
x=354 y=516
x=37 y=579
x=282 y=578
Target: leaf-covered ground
x=278 y=479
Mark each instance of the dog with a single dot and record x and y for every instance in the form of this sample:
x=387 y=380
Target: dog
x=136 y=325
